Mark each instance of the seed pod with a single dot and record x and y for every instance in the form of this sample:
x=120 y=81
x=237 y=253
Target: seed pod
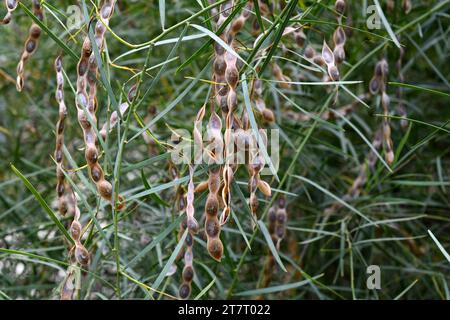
x=264 y=187
x=68 y=287
x=390 y=5
x=212 y=225
x=387 y=142
x=184 y=291
x=379 y=82
x=81 y=255
x=105 y=189
x=188 y=271
x=278 y=74
x=59 y=144
x=31 y=43
x=215 y=248
x=202 y=186
x=114 y=119
x=374 y=85
x=300 y=37
x=327 y=54
x=192 y=223
x=11 y=6
x=406 y=6
x=340 y=6
x=339 y=37
x=309 y=52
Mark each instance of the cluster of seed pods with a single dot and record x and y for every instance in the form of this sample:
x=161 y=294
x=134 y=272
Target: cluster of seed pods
x=11 y=6
x=70 y=205
x=192 y=225
x=378 y=86
x=87 y=72
x=91 y=153
x=254 y=168
x=339 y=36
x=212 y=224
x=61 y=180
x=31 y=45
x=277 y=217
x=226 y=77
x=184 y=291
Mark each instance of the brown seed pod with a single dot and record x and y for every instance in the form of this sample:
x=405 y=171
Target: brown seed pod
x=215 y=248
x=310 y=52
x=68 y=287
x=31 y=43
x=81 y=254
x=11 y=6
x=278 y=74
x=58 y=154
x=212 y=225
x=340 y=6
x=202 y=186
x=406 y=6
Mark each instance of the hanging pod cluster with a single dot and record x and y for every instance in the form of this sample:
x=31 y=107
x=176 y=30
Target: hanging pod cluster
x=377 y=85
x=212 y=225
x=31 y=44
x=277 y=217
x=87 y=104
x=61 y=185
x=78 y=253
x=254 y=168
x=191 y=224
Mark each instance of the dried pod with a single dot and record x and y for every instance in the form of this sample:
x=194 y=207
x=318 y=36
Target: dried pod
x=406 y=6
x=340 y=6
x=265 y=188
x=68 y=287
x=11 y=6
x=105 y=189
x=184 y=291
x=202 y=186
x=88 y=102
x=215 y=248
x=374 y=85
x=309 y=52
x=81 y=255
x=327 y=54
x=30 y=44
x=333 y=72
